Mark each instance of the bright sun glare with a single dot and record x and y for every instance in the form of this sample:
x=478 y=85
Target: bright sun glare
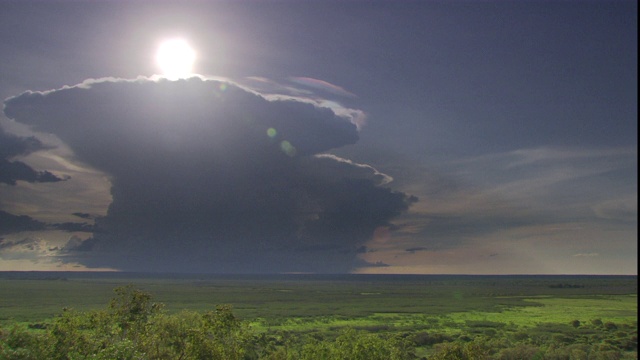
x=175 y=58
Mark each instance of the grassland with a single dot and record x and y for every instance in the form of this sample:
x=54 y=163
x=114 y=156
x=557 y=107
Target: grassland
x=523 y=300
x=430 y=308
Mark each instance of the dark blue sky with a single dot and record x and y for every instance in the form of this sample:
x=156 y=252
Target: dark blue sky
x=514 y=124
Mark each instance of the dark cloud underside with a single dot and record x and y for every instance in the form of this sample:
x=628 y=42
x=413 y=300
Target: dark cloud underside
x=10 y=223
x=12 y=170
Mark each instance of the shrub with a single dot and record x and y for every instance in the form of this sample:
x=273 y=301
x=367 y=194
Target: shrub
x=474 y=350
x=426 y=339
x=519 y=352
x=520 y=336
x=17 y=343
x=610 y=326
x=575 y=323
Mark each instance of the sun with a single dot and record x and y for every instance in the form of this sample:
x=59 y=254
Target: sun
x=175 y=58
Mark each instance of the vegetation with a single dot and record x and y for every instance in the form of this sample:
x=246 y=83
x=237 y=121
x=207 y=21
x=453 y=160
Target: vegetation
x=133 y=327
x=452 y=319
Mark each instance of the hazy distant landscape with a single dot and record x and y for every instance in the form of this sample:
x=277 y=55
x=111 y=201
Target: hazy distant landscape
x=435 y=315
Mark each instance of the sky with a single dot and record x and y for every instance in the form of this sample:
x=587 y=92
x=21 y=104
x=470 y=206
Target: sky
x=400 y=137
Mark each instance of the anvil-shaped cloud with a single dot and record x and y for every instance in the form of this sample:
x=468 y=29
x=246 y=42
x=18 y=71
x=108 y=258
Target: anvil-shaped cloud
x=209 y=176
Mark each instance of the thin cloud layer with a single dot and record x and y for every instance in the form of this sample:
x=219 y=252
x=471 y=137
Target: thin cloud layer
x=32 y=249
x=322 y=85
x=542 y=210
x=208 y=176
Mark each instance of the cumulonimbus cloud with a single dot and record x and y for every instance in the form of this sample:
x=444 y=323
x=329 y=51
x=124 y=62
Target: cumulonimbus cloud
x=210 y=176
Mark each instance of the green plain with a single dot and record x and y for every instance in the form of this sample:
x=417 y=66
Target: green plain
x=306 y=303
x=430 y=310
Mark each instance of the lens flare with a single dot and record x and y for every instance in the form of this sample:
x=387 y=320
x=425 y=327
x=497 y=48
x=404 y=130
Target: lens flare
x=287 y=148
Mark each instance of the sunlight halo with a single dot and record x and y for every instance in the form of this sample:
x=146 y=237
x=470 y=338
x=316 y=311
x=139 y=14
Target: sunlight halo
x=175 y=58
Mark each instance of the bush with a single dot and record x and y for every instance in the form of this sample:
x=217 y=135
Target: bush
x=133 y=327
x=474 y=350
x=426 y=339
x=610 y=326
x=575 y=323
x=519 y=352
x=18 y=343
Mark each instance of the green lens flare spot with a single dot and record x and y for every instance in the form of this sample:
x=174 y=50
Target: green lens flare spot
x=287 y=148
x=271 y=132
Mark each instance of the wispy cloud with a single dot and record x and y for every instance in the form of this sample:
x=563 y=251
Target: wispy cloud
x=322 y=85
x=544 y=200
x=585 y=255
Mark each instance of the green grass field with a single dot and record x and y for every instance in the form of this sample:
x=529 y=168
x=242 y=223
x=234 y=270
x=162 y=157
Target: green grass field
x=299 y=302
x=429 y=309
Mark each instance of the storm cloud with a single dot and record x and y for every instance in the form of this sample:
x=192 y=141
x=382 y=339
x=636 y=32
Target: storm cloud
x=11 y=170
x=10 y=223
x=210 y=176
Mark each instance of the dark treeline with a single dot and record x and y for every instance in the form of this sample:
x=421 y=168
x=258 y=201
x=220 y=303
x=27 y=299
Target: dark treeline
x=413 y=278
